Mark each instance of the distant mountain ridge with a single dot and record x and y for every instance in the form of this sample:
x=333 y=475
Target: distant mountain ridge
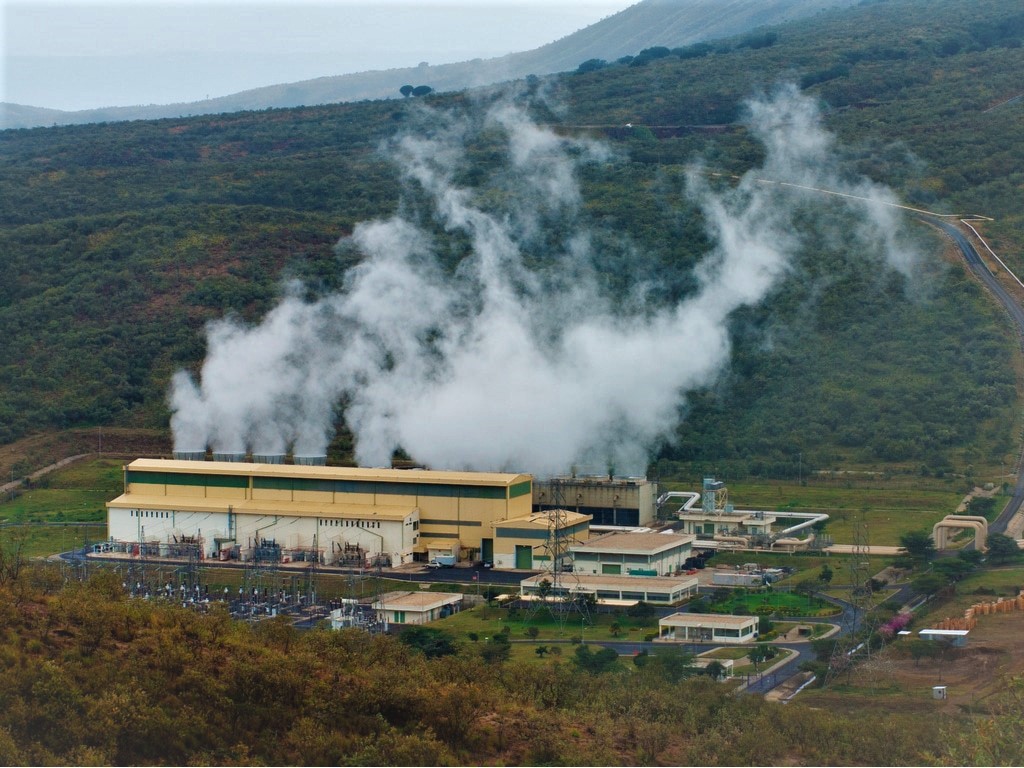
x=646 y=24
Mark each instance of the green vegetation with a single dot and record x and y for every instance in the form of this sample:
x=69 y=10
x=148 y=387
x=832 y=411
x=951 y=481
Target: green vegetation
x=202 y=689
x=486 y=622
x=175 y=222
x=768 y=602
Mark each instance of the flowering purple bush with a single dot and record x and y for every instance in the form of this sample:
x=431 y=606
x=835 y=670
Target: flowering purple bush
x=894 y=625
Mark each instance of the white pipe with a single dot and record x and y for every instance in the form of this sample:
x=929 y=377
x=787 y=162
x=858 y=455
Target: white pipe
x=810 y=518
x=693 y=497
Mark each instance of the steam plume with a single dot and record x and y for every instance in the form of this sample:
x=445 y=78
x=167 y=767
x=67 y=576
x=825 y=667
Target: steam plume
x=505 y=364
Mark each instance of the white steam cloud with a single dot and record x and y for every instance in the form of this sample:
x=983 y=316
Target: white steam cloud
x=504 y=365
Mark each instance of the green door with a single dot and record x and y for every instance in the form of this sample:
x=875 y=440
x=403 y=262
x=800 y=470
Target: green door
x=709 y=529
x=613 y=569
x=524 y=557
x=487 y=550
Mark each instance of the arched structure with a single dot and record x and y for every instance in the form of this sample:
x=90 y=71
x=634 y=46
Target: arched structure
x=940 y=532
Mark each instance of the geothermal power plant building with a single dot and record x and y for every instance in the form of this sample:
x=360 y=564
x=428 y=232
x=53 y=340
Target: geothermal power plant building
x=622 y=502
x=339 y=515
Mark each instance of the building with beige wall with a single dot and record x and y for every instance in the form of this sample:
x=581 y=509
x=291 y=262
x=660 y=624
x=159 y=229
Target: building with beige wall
x=390 y=512
x=416 y=607
x=539 y=539
x=613 y=590
x=707 y=628
x=640 y=554
x=628 y=502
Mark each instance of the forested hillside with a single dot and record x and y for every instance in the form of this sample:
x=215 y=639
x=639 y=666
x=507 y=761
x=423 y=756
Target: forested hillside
x=120 y=241
x=91 y=677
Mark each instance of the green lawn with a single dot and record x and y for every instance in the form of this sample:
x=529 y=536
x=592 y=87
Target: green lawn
x=773 y=601
x=486 y=621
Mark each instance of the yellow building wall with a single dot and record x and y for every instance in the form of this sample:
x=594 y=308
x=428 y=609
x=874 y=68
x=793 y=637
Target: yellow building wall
x=147 y=489
x=394 y=499
x=271 y=494
x=315 y=497
x=354 y=498
x=192 y=491
x=438 y=507
x=226 y=493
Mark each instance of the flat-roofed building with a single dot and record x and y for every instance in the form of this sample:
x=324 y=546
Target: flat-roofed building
x=388 y=512
x=639 y=554
x=612 y=590
x=532 y=541
x=416 y=607
x=730 y=523
x=619 y=501
x=707 y=628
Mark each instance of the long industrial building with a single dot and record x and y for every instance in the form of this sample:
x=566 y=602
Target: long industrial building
x=343 y=515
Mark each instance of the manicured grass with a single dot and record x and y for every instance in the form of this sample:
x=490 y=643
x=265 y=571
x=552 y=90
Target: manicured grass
x=727 y=653
x=486 y=621
x=774 y=601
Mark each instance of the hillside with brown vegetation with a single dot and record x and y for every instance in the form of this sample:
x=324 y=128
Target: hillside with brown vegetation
x=88 y=676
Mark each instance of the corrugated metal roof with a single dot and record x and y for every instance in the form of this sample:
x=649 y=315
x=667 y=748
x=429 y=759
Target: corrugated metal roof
x=261 y=507
x=707 y=620
x=574 y=581
x=328 y=473
x=542 y=519
x=634 y=543
x=415 y=601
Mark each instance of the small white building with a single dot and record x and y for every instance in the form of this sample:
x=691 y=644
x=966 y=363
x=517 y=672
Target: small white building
x=613 y=590
x=955 y=637
x=640 y=554
x=707 y=628
x=416 y=607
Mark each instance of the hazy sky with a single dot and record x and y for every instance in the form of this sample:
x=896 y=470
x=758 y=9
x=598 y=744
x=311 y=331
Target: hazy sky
x=80 y=54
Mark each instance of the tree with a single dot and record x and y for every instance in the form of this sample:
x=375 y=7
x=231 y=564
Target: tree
x=596 y=663
x=615 y=629
x=432 y=643
x=406 y=90
x=544 y=589
x=541 y=650
x=1002 y=548
x=929 y=583
x=591 y=65
x=422 y=90
x=532 y=632
x=715 y=670
x=496 y=649
x=919 y=545
x=825 y=577
x=972 y=556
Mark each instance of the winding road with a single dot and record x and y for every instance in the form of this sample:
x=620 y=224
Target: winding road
x=1016 y=314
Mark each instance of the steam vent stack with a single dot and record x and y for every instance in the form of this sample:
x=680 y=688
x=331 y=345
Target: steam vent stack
x=190 y=455
x=235 y=456
x=268 y=458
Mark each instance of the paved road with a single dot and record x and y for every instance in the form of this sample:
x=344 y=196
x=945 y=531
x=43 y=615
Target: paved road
x=1016 y=314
